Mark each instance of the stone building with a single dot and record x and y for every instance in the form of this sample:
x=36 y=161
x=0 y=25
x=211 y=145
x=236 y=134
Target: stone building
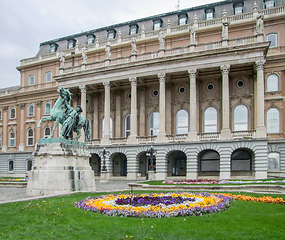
x=203 y=87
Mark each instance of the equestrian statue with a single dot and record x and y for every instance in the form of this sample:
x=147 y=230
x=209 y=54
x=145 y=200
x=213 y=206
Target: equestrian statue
x=70 y=118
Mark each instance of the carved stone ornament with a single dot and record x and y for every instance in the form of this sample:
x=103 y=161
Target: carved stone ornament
x=22 y=105
x=162 y=77
x=106 y=85
x=39 y=103
x=5 y=108
x=82 y=88
x=133 y=81
x=225 y=69
x=259 y=65
x=192 y=72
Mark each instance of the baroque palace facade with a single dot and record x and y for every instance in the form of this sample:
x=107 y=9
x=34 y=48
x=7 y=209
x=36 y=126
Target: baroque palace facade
x=203 y=87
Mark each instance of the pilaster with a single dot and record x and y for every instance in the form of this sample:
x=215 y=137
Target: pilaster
x=192 y=134
x=132 y=139
x=22 y=126
x=161 y=137
x=106 y=138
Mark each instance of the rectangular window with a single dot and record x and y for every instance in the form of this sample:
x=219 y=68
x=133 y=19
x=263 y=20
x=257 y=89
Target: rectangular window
x=90 y=39
x=182 y=19
x=111 y=34
x=272 y=38
x=209 y=14
x=71 y=43
x=157 y=24
x=269 y=4
x=238 y=8
x=31 y=80
x=11 y=165
x=134 y=29
x=53 y=47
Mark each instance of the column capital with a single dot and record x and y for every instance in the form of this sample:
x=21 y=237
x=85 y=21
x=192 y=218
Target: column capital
x=5 y=108
x=133 y=81
x=106 y=85
x=162 y=77
x=82 y=88
x=192 y=72
x=39 y=103
x=22 y=105
x=259 y=65
x=225 y=69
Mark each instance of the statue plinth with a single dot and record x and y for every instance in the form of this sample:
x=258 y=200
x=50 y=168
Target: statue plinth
x=61 y=166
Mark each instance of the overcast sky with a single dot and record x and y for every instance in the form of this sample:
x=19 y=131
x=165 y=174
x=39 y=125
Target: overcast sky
x=24 y=24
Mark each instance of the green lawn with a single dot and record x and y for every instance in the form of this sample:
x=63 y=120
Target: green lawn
x=57 y=218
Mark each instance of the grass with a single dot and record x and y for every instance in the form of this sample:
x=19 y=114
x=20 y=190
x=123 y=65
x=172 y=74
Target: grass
x=57 y=218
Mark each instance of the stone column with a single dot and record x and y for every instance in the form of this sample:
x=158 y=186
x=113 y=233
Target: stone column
x=168 y=120
x=134 y=119
x=142 y=113
x=192 y=134
x=106 y=137
x=118 y=113
x=22 y=127
x=83 y=100
x=95 y=116
x=38 y=117
x=5 y=129
x=225 y=132
x=161 y=137
x=260 y=126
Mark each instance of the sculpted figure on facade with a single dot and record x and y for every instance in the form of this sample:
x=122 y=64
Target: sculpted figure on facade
x=84 y=55
x=62 y=59
x=134 y=46
x=161 y=39
x=259 y=23
x=192 y=33
x=108 y=50
x=225 y=31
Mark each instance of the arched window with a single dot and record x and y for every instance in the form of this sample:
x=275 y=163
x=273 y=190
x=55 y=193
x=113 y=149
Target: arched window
x=210 y=120
x=12 y=138
x=0 y=115
x=47 y=108
x=272 y=83
x=182 y=121
x=29 y=165
x=154 y=123
x=210 y=161
x=241 y=161
x=12 y=113
x=273 y=161
x=47 y=132
x=273 y=121
x=0 y=139
x=10 y=165
x=30 y=137
x=31 y=79
x=48 y=77
x=240 y=118
x=31 y=110
x=127 y=125
x=272 y=38
x=111 y=127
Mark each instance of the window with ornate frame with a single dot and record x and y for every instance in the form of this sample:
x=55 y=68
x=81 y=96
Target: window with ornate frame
x=154 y=124
x=48 y=76
x=240 y=116
x=47 y=132
x=47 y=108
x=272 y=38
x=272 y=83
x=210 y=120
x=12 y=138
x=31 y=110
x=30 y=137
x=273 y=120
x=182 y=122
x=128 y=125
x=12 y=113
x=32 y=80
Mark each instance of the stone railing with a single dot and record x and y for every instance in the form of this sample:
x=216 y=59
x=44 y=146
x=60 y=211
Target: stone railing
x=147 y=139
x=209 y=136
x=9 y=92
x=118 y=140
x=39 y=86
x=243 y=134
x=176 y=137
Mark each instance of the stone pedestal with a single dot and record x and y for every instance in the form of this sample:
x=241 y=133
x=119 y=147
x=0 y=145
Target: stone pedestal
x=104 y=177
x=61 y=166
x=151 y=175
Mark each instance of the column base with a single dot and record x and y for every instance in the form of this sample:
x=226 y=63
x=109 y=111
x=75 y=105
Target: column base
x=132 y=139
x=226 y=133
x=161 y=137
x=261 y=132
x=4 y=148
x=261 y=175
x=132 y=176
x=160 y=176
x=191 y=175
x=21 y=147
x=225 y=175
x=192 y=136
x=151 y=175
x=104 y=177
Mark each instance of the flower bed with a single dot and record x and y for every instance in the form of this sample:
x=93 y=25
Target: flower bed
x=12 y=179
x=156 y=205
x=265 y=199
x=213 y=181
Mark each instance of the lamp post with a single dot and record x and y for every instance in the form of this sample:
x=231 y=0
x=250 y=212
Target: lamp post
x=151 y=154
x=104 y=173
